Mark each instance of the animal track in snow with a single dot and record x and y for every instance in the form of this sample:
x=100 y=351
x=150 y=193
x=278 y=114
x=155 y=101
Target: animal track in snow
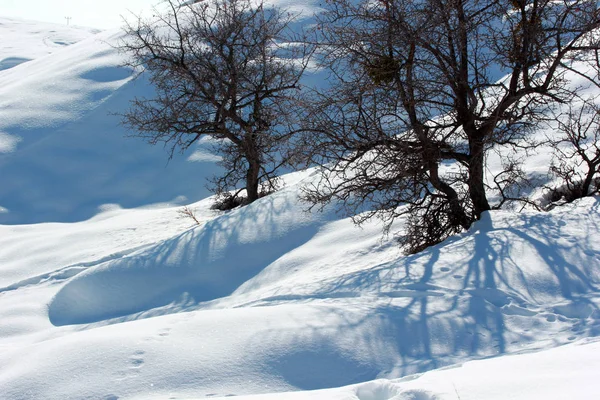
x=164 y=332
x=159 y=336
x=137 y=359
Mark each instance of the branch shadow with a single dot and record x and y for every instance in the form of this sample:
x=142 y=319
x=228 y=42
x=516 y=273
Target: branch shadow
x=200 y=265
x=499 y=304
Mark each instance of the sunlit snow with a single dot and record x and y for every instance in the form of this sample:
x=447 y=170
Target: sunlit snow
x=108 y=291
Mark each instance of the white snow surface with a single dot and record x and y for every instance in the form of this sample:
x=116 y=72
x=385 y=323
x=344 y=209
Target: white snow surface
x=23 y=41
x=268 y=298
x=63 y=151
x=101 y=298
x=563 y=373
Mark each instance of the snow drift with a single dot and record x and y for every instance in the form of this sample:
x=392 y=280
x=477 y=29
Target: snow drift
x=206 y=262
x=144 y=304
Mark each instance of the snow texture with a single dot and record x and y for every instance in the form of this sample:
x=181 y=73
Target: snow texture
x=107 y=291
x=62 y=145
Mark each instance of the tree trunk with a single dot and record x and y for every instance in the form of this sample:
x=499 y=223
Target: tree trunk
x=251 y=154
x=252 y=181
x=458 y=215
x=476 y=177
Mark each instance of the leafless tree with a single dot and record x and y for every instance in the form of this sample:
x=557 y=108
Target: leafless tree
x=415 y=105
x=227 y=69
x=577 y=151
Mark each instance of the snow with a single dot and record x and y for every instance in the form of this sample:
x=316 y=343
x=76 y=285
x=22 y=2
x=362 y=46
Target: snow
x=23 y=41
x=527 y=376
x=59 y=131
x=107 y=291
x=304 y=302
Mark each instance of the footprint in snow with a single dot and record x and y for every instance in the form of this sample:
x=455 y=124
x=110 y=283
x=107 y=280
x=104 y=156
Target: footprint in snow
x=164 y=332
x=161 y=335
x=136 y=361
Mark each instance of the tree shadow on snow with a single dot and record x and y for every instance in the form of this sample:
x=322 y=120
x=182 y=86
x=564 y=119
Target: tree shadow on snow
x=200 y=265
x=510 y=286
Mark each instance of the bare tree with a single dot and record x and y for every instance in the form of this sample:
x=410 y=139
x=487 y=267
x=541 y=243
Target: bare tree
x=577 y=151
x=416 y=106
x=226 y=69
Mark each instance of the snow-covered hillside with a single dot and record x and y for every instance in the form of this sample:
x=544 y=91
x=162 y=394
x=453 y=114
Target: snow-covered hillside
x=268 y=298
x=23 y=41
x=63 y=153
x=138 y=301
x=563 y=373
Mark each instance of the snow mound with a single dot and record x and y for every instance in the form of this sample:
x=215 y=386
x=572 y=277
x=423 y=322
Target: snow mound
x=219 y=352
x=566 y=372
x=315 y=303
x=204 y=263
x=268 y=298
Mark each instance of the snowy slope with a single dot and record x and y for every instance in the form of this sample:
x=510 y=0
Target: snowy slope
x=569 y=372
x=142 y=303
x=23 y=41
x=63 y=153
x=298 y=302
